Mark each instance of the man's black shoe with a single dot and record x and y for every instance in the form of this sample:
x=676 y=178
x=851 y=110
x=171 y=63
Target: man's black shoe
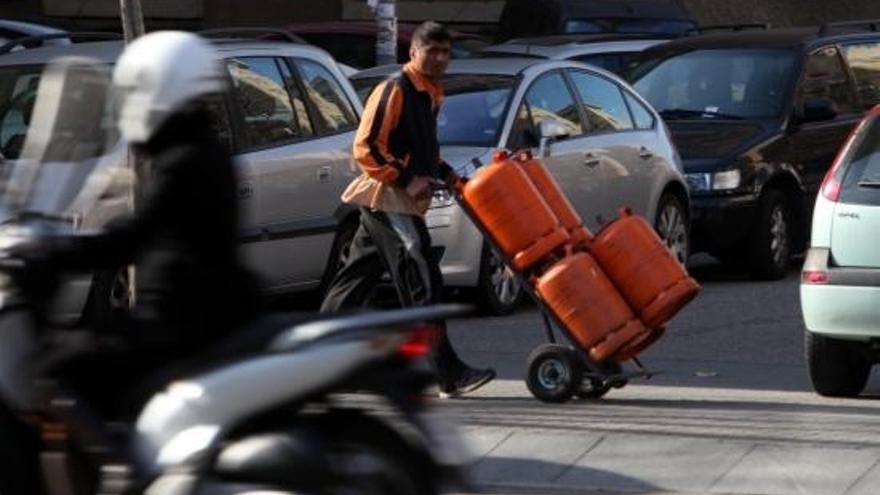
x=470 y=380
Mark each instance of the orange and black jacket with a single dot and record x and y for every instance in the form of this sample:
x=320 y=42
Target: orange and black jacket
x=397 y=139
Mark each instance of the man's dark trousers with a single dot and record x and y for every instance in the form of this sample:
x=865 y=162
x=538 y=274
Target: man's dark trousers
x=400 y=245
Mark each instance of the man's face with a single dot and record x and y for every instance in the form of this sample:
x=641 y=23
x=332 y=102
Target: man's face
x=431 y=58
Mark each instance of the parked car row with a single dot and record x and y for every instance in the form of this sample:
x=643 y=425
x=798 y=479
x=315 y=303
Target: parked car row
x=290 y=121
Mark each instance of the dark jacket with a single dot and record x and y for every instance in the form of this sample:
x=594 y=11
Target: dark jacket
x=191 y=287
x=396 y=142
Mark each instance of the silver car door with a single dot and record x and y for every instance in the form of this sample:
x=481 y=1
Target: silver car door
x=575 y=167
x=627 y=154
x=284 y=151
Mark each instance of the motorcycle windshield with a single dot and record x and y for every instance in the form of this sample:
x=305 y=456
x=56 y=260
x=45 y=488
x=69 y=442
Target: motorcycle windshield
x=72 y=155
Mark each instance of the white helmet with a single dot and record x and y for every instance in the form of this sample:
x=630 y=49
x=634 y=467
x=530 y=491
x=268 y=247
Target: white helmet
x=159 y=73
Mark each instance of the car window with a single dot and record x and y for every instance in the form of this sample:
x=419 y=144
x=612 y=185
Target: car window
x=259 y=88
x=550 y=100
x=716 y=83
x=613 y=62
x=602 y=102
x=351 y=49
x=334 y=112
x=825 y=77
x=642 y=116
x=299 y=102
x=220 y=124
x=473 y=110
x=364 y=86
x=864 y=60
x=18 y=93
x=862 y=176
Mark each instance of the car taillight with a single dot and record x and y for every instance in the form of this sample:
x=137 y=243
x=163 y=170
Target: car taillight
x=420 y=343
x=814 y=277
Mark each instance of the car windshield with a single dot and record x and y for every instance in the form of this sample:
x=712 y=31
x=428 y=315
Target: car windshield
x=716 y=83
x=661 y=26
x=473 y=109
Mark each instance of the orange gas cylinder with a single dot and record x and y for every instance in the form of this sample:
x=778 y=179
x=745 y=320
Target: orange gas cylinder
x=550 y=190
x=635 y=346
x=511 y=209
x=654 y=283
x=587 y=303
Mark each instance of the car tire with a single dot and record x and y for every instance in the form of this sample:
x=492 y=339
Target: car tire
x=836 y=367
x=19 y=456
x=770 y=250
x=672 y=226
x=498 y=290
x=109 y=299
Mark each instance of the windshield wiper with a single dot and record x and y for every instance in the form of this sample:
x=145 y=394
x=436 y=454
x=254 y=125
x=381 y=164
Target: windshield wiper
x=677 y=113
x=869 y=183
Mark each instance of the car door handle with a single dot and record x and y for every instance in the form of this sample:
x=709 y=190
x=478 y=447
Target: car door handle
x=591 y=160
x=324 y=174
x=645 y=153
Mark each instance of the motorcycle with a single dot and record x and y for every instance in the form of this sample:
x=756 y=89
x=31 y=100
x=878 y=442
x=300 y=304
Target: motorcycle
x=273 y=417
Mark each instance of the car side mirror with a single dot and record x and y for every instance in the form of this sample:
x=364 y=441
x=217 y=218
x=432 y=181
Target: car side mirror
x=550 y=131
x=818 y=110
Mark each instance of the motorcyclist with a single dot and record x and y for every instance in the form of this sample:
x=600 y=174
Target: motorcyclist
x=191 y=286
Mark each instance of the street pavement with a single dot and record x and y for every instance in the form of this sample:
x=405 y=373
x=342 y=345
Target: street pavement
x=732 y=412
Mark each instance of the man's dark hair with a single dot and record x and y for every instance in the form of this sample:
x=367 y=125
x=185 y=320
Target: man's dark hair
x=429 y=31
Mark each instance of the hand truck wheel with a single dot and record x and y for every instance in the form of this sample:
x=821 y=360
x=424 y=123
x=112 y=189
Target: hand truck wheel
x=554 y=372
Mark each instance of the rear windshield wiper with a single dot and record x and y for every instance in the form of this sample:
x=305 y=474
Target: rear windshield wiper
x=869 y=183
x=676 y=113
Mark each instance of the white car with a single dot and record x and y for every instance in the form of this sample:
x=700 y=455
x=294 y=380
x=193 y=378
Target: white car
x=840 y=282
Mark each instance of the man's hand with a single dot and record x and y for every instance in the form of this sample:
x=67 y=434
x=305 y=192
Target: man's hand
x=419 y=187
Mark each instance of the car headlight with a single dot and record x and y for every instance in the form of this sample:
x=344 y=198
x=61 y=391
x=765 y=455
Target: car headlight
x=723 y=181
x=442 y=198
x=719 y=181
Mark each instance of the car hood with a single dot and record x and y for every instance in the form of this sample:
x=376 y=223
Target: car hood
x=461 y=158
x=702 y=141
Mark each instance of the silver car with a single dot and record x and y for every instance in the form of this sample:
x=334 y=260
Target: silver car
x=609 y=51
x=603 y=143
x=290 y=121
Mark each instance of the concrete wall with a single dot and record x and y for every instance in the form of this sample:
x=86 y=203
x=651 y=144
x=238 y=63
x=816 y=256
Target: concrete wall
x=194 y=14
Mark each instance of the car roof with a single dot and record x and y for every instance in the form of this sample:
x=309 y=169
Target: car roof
x=576 y=39
x=108 y=51
x=502 y=67
x=572 y=49
x=782 y=38
x=404 y=30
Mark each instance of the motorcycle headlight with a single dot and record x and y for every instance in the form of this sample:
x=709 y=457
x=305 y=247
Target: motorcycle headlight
x=442 y=198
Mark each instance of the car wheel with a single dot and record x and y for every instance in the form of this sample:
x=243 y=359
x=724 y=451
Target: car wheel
x=836 y=367
x=671 y=225
x=110 y=298
x=771 y=244
x=499 y=291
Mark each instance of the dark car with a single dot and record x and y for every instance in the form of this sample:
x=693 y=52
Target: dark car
x=354 y=43
x=758 y=117
x=521 y=18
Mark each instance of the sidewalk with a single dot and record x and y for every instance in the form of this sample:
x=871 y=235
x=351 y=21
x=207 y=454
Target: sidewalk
x=552 y=459
x=784 y=447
